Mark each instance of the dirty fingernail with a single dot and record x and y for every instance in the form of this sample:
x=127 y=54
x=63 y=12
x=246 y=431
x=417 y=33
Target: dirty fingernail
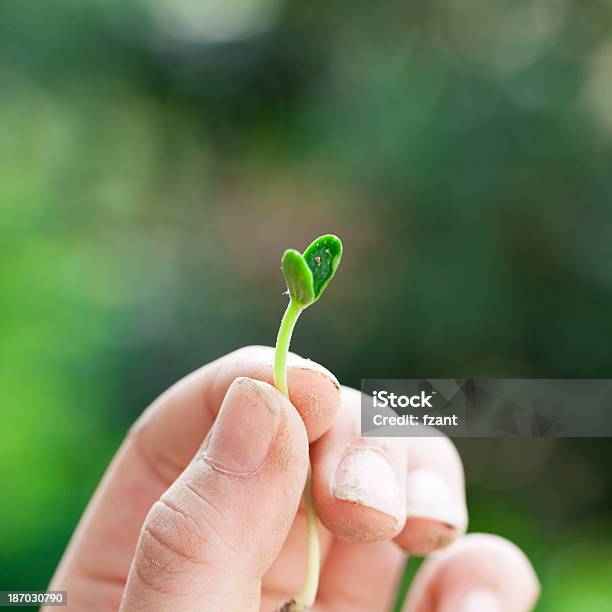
x=429 y=496
x=245 y=428
x=365 y=476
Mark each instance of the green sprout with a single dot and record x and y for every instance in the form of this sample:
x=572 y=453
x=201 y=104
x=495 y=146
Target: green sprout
x=307 y=275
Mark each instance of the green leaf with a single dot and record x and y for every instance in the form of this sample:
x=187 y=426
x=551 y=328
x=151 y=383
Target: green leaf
x=323 y=257
x=307 y=275
x=298 y=277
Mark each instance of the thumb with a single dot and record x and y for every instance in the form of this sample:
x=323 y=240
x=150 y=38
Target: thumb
x=209 y=539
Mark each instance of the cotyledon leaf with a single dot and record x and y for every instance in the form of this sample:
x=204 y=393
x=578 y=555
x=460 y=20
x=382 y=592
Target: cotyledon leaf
x=298 y=277
x=323 y=257
x=307 y=275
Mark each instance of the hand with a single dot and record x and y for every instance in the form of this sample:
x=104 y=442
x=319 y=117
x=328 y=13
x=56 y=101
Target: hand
x=200 y=508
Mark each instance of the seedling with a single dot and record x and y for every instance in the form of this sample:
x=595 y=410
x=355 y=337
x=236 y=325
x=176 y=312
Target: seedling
x=307 y=275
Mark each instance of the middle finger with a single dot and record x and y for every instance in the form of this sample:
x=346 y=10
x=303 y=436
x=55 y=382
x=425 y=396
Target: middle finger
x=375 y=489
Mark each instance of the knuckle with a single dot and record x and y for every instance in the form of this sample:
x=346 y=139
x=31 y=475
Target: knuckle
x=173 y=535
x=168 y=549
x=171 y=544
x=197 y=499
x=177 y=542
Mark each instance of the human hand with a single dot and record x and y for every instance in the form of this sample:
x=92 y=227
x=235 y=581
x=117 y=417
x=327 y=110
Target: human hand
x=200 y=508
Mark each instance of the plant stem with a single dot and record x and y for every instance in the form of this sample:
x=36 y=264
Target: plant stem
x=282 y=346
x=306 y=597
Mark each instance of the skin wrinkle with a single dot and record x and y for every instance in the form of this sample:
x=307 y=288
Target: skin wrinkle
x=218 y=568
x=167 y=545
x=192 y=532
x=148 y=603
x=149 y=583
x=218 y=467
x=209 y=523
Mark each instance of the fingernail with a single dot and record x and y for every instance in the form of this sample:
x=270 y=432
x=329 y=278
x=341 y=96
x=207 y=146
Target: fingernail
x=365 y=476
x=245 y=428
x=479 y=600
x=429 y=496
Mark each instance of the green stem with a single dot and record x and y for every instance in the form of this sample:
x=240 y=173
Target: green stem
x=306 y=597
x=282 y=346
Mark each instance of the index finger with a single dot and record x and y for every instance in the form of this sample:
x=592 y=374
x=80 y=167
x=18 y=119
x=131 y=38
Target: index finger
x=157 y=449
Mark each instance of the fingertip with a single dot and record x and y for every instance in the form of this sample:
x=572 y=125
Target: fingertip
x=477 y=570
x=512 y=556
x=316 y=394
x=422 y=536
x=313 y=389
x=351 y=521
x=435 y=496
x=358 y=484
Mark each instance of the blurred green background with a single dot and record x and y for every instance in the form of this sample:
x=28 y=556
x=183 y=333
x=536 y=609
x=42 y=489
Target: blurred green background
x=157 y=156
